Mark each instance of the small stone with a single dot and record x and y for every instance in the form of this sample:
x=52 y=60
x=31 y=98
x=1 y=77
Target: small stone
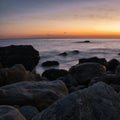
x=50 y=63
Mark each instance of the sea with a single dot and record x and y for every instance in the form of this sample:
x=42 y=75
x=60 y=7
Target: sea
x=50 y=49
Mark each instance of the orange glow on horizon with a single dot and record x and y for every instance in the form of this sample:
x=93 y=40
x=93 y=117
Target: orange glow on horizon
x=61 y=29
x=63 y=34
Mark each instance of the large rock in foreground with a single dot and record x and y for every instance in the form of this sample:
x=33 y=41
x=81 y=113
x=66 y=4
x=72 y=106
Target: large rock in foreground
x=98 y=102
x=28 y=111
x=56 y=85
x=10 y=113
x=22 y=54
x=40 y=94
x=83 y=73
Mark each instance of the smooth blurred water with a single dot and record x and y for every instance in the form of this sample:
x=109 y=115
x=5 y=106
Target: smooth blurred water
x=50 y=48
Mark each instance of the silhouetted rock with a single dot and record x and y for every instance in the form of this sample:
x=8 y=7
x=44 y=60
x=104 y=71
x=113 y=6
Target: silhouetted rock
x=118 y=53
x=83 y=73
x=53 y=74
x=15 y=96
x=28 y=111
x=40 y=94
x=86 y=41
x=21 y=54
x=80 y=87
x=16 y=73
x=69 y=80
x=75 y=51
x=115 y=87
x=1 y=66
x=107 y=78
x=50 y=63
x=112 y=79
x=63 y=54
x=10 y=113
x=112 y=64
x=35 y=97
x=93 y=59
x=117 y=71
x=98 y=102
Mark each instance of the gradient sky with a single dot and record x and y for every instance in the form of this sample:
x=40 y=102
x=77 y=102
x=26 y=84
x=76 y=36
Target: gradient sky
x=55 y=18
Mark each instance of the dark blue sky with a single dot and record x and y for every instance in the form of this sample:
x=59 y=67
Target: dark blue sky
x=8 y=7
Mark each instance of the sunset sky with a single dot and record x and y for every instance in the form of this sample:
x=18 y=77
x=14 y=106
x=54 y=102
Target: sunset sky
x=59 y=18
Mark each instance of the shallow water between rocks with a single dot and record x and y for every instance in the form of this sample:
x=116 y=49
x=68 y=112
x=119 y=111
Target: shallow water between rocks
x=50 y=49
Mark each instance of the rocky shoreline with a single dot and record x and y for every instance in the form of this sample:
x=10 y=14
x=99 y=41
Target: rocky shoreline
x=89 y=90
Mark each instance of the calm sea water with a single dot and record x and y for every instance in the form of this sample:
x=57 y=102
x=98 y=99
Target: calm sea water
x=50 y=48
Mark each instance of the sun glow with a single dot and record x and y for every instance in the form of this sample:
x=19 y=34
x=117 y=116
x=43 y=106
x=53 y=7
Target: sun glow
x=73 y=19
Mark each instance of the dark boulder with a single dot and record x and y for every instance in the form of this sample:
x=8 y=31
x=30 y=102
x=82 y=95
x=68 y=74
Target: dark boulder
x=53 y=74
x=112 y=79
x=1 y=66
x=56 y=85
x=98 y=102
x=83 y=73
x=63 y=54
x=107 y=78
x=50 y=63
x=86 y=41
x=39 y=94
x=17 y=73
x=69 y=81
x=21 y=54
x=28 y=111
x=75 y=52
x=10 y=113
x=93 y=59
x=35 y=97
x=15 y=96
x=80 y=87
x=112 y=65
x=115 y=87
x=117 y=71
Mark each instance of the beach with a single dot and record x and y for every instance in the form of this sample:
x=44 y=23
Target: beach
x=89 y=88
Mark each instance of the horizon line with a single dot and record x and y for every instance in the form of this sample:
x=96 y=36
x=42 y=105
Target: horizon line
x=63 y=37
